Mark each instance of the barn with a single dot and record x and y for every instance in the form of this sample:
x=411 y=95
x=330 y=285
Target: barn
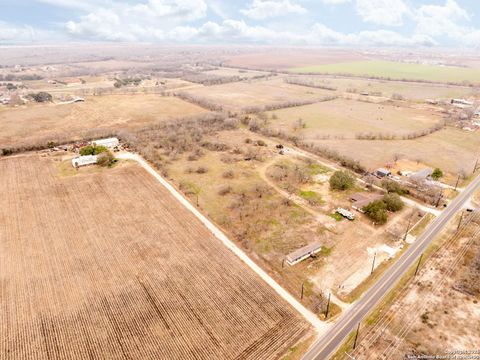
x=84 y=160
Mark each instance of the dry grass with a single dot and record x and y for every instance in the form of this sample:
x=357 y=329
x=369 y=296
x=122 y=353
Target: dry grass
x=346 y=118
x=24 y=124
x=235 y=96
x=111 y=266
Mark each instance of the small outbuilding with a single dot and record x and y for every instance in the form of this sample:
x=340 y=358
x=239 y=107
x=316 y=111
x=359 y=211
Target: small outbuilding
x=303 y=253
x=109 y=143
x=382 y=172
x=84 y=160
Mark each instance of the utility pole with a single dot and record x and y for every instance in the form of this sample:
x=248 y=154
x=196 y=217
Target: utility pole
x=283 y=263
x=475 y=168
x=418 y=265
x=301 y=297
x=373 y=264
x=356 y=337
x=408 y=227
x=460 y=221
x=328 y=306
x=439 y=198
x=456 y=184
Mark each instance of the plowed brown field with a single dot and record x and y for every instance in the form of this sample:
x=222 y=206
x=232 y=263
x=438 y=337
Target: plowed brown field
x=110 y=266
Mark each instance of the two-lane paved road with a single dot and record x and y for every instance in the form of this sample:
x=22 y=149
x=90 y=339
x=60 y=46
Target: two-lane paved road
x=323 y=348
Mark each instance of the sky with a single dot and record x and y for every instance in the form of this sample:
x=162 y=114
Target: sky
x=364 y=23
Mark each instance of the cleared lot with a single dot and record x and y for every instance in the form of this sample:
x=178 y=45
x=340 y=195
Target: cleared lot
x=25 y=124
x=113 y=267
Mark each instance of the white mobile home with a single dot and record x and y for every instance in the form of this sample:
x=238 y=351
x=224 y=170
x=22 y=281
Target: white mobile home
x=109 y=143
x=84 y=160
x=303 y=253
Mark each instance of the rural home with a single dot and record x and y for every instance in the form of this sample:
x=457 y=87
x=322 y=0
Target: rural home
x=84 y=160
x=360 y=200
x=109 y=143
x=461 y=103
x=382 y=172
x=303 y=253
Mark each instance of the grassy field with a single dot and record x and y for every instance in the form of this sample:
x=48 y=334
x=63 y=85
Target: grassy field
x=112 y=267
x=451 y=149
x=25 y=124
x=396 y=70
x=345 y=118
x=235 y=96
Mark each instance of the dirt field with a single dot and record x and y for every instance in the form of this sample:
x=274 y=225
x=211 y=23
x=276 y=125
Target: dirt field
x=111 y=266
x=346 y=118
x=25 y=124
x=235 y=96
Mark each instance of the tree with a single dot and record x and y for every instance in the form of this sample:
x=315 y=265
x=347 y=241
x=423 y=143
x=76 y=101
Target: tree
x=393 y=187
x=341 y=180
x=393 y=202
x=42 y=96
x=92 y=150
x=437 y=174
x=377 y=211
x=105 y=159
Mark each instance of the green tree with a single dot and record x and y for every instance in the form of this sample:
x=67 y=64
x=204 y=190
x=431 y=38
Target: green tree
x=105 y=159
x=393 y=202
x=377 y=211
x=341 y=180
x=393 y=187
x=437 y=174
x=92 y=150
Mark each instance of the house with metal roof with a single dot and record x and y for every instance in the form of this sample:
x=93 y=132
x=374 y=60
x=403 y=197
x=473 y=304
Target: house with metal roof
x=303 y=253
x=84 y=160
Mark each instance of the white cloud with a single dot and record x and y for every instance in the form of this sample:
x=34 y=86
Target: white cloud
x=263 y=9
x=11 y=33
x=334 y=2
x=382 y=12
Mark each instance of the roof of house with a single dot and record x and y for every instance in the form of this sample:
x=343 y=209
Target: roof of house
x=424 y=173
x=363 y=199
x=313 y=247
x=383 y=171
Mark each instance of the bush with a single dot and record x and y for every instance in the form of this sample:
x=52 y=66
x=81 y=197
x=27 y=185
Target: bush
x=224 y=190
x=92 y=150
x=393 y=202
x=202 y=170
x=42 y=96
x=377 y=211
x=437 y=174
x=394 y=187
x=106 y=159
x=341 y=180
x=228 y=174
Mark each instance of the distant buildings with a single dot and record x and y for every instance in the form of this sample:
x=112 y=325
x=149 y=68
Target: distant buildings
x=303 y=253
x=382 y=172
x=461 y=103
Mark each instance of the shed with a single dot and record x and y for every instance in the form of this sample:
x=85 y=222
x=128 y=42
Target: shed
x=422 y=174
x=84 y=160
x=109 y=143
x=382 y=172
x=303 y=253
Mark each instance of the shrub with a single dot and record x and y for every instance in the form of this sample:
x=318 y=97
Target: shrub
x=202 y=170
x=224 y=190
x=393 y=202
x=92 y=150
x=228 y=174
x=42 y=96
x=377 y=211
x=106 y=159
x=261 y=143
x=437 y=174
x=341 y=180
x=394 y=187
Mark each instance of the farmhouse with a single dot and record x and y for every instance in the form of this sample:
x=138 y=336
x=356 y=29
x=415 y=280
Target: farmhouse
x=109 y=143
x=303 y=253
x=84 y=160
x=461 y=103
x=382 y=172
x=360 y=200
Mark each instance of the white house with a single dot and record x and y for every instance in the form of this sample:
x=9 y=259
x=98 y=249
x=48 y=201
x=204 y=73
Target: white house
x=109 y=143
x=84 y=160
x=303 y=253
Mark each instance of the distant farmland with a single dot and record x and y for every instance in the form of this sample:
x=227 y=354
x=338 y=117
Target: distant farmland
x=110 y=266
x=396 y=70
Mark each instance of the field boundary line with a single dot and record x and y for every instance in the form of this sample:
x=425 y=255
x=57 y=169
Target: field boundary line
x=319 y=326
